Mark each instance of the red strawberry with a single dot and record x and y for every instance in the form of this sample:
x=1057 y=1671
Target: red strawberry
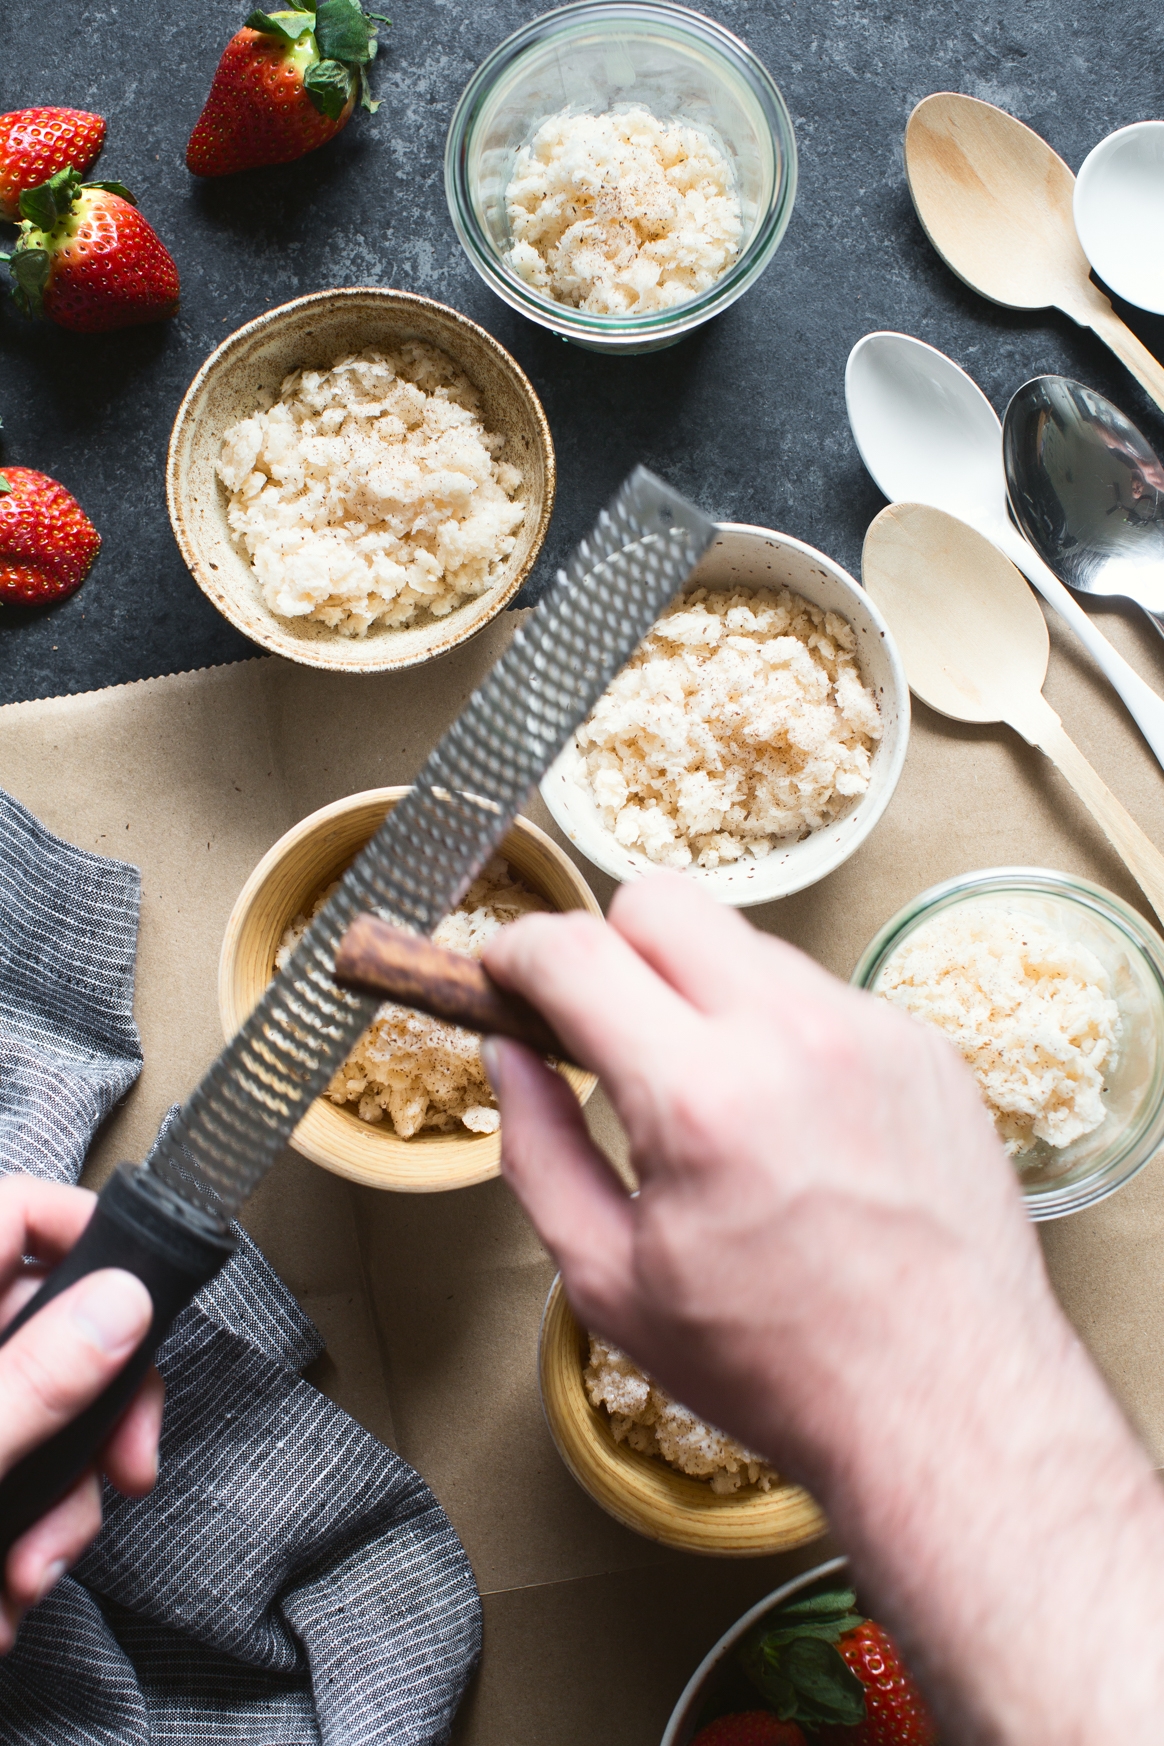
x=36 y=143
x=895 y=1712
x=753 y=1728
x=287 y=82
x=88 y=260
x=47 y=542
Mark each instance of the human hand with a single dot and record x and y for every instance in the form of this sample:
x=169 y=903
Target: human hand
x=52 y=1368
x=829 y=1258
x=809 y=1160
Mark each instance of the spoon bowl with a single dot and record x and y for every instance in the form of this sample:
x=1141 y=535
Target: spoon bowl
x=970 y=633
x=924 y=428
x=1087 y=490
x=994 y=200
x=1119 y=212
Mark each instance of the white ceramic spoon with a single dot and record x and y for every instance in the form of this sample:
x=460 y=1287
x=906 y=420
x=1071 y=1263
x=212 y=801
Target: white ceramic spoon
x=1119 y=212
x=928 y=434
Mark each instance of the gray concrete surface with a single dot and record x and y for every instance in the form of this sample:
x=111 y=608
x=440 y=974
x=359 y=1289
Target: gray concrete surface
x=747 y=417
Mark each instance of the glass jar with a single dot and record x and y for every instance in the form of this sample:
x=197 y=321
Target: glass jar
x=1059 y=1180
x=598 y=55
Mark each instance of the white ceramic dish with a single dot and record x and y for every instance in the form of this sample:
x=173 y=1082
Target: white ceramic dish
x=758 y=557
x=681 y=1728
x=1119 y=212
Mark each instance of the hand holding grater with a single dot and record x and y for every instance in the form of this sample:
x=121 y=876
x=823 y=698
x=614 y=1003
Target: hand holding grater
x=168 y=1220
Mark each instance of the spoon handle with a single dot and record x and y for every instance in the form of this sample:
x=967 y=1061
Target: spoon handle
x=1115 y=334
x=1143 y=859
x=1145 y=705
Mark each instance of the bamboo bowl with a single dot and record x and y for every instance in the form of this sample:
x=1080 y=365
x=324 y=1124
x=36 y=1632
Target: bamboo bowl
x=641 y=1491
x=318 y=330
x=286 y=882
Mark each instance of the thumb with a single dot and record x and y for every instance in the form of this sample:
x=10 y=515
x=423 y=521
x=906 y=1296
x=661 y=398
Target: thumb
x=65 y=1355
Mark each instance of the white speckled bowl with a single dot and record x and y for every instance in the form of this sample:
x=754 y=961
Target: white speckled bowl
x=757 y=557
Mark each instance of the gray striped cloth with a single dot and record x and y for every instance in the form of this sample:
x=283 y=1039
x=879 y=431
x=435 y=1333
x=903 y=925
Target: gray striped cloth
x=290 y=1580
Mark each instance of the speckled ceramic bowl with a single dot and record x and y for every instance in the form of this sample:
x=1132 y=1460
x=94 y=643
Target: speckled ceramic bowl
x=318 y=330
x=759 y=557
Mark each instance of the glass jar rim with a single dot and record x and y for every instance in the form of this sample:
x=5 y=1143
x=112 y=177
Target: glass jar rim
x=1045 y=1202
x=653 y=324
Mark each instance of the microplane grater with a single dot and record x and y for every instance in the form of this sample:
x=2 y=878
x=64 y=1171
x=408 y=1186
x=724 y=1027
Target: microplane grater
x=436 y=840
x=168 y=1220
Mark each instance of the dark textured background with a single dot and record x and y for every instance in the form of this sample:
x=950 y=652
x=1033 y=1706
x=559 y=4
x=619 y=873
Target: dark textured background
x=747 y=416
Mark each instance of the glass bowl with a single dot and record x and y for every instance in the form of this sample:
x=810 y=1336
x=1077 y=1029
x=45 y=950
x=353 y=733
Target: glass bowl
x=1056 y=1181
x=591 y=57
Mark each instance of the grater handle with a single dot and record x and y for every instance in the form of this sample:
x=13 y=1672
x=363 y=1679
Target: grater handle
x=376 y=958
x=137 y=1226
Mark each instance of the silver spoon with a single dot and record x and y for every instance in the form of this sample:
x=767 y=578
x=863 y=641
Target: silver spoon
x=1087 y=489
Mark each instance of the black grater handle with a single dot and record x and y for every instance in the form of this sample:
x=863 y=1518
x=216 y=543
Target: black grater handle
x=141 y=1226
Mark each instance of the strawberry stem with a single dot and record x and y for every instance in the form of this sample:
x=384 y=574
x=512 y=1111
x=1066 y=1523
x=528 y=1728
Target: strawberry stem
x=47 y=204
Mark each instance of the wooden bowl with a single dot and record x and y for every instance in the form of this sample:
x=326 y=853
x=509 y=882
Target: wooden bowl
x=285 y=883
x=642 y=1491
x=318 y=330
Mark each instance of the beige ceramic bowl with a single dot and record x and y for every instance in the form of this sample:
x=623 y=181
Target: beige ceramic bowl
x=286 y=882
x=318 y=330
x=641 y=1491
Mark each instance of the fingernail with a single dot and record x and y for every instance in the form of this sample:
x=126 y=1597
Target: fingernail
x=491 y=1061
x=112 y=1311
x=51 y=1577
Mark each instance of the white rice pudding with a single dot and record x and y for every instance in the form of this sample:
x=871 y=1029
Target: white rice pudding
x=742 y=721
x=646 y=1418
x=1029 y=1010
x=620 y=214
x=371 y=493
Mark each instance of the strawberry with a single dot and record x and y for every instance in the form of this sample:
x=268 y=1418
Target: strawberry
x=819 y=1663
x=88 y=260
x=287 y=83
x=895 y=1712
x=753 y=1728
x=47 y=542
x=36 y=143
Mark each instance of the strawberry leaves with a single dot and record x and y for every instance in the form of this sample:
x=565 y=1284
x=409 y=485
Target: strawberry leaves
x=45 y=206
x=290 y=26
x=344 y=33
x=791 y=1660
x=329 y=85
x=30 y=269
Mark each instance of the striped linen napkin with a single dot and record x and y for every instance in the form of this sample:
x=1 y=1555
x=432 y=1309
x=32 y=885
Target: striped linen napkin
x=290 y=1580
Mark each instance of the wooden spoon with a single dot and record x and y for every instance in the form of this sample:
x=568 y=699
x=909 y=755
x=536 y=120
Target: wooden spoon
x=996 y=202
x=975 y=645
